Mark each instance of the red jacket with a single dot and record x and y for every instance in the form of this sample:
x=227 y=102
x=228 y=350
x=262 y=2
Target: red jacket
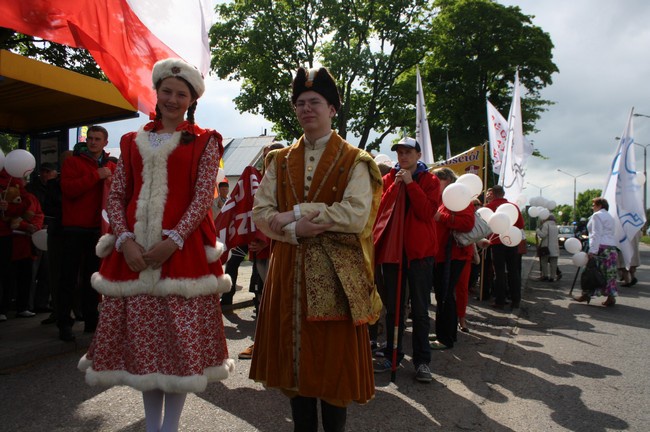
x=462 y=221
x=82 y=190
x=493 y=205
x=420 y=239
x=22 y=241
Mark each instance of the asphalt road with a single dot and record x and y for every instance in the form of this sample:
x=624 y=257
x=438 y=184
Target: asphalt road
x=555 y=365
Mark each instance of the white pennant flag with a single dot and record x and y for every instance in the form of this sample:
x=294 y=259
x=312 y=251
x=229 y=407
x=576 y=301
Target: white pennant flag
x=448 y=155
x=517 y=150
x=623 y=193
x=422 y=135
x=498 y=135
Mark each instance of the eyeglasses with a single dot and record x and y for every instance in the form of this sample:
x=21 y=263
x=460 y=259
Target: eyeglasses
x=311 y=103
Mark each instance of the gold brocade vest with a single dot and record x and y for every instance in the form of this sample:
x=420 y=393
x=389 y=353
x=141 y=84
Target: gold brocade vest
x=339 y=277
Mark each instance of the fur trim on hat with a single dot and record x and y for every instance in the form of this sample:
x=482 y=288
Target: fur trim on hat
x=318 y=80
x=166 y=383
x=178 y=68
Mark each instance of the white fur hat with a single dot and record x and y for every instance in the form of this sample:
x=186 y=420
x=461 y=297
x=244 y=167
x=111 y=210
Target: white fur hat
x=178 y=68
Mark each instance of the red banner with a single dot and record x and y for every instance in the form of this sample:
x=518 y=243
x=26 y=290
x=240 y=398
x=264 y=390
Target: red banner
x=234 y=223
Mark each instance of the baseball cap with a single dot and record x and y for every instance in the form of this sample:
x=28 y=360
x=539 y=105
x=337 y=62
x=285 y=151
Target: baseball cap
x=406 y=142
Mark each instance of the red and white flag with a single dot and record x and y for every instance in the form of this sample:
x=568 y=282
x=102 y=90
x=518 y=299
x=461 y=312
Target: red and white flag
x=498 y=135
x=126 y=37
x=234 y=222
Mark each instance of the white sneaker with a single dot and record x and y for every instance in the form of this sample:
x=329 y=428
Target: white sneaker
x=25 y=314
x=3 y=317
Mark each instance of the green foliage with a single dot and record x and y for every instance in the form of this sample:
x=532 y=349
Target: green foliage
x=74 y=59
x=8 y=143
x=366 y=46
x=476 y=48
x=567 y=214
x=583 y=202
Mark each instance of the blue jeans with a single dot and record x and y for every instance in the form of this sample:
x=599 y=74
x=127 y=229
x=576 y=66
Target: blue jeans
x=419 y=275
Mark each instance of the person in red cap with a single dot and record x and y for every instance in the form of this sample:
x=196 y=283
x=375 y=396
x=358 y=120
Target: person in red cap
x=317 y=202
x=160 y=328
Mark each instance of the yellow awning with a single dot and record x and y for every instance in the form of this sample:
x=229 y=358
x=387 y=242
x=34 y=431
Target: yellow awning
x=39 y=97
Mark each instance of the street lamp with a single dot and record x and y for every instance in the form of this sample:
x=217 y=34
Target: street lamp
x=538 y=187
x=641 y=115
x=575 y=210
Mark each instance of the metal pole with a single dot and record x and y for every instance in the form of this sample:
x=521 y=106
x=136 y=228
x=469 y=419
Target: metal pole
x=575 y=210
x=645 y=183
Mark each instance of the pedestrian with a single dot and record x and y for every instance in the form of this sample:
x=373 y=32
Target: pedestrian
x=505 y=260
x=161 y=329
x=410 y=179
x=601 y=229
x=317 y=203
x=82 y=189
x=451 y=262
x=549 y=248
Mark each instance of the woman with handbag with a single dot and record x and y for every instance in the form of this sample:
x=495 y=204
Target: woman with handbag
x=450 y=261
x=549 y=249
x=602 y=249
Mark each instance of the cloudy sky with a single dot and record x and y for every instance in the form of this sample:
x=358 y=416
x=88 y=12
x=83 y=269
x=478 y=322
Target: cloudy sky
x=601 y=49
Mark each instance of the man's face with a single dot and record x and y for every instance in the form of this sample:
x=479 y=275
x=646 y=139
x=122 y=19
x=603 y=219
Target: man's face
x=46 y=175
x=407 y=157
x=223 y=191
x=96 y=141
x=314 y=113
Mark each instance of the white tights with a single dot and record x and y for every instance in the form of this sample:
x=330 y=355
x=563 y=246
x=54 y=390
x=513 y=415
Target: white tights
x=153 y=410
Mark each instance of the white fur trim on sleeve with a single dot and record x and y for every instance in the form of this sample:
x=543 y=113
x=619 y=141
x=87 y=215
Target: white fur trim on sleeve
x=105 y=245
x=214 y=253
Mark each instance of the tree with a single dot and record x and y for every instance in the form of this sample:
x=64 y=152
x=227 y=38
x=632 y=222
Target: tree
x=476 y=47
x=74 y=59
x=366 y=45
x=566 y=214
x=583 y=202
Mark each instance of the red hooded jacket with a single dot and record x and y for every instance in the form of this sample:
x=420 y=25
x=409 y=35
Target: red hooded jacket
x=82 y=190
x=494 y=205
x=462 y=221
x=423 y=193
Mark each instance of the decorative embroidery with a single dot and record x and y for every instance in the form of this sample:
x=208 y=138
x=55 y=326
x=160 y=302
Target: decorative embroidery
x=345 y=296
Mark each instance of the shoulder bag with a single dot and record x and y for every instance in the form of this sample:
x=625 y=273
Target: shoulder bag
x=479 y=230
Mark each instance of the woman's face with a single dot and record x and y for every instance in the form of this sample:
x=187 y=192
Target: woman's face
x=174 y=98
x=595 y=207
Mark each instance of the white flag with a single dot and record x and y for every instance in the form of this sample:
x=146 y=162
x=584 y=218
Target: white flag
x=498 y=135
x=517 y=150
x=422 y=135
x=623 y=193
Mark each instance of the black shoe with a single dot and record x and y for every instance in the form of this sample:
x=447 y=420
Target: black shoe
x=49 y=320
x=66 y=335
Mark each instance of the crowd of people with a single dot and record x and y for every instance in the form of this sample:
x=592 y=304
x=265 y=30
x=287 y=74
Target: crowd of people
x=338 y=240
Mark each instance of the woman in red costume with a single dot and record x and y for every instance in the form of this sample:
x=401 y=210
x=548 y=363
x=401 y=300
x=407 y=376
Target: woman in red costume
x=160 y=329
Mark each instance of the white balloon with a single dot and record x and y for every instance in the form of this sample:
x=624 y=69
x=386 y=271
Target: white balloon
x=19 y=163
x=499 y=223
x=2 y=160
x=521 y=201
x=512 y=237
x=551 y=205
x=543 y=214
x=534 y=201
x=383 y=159
x=473 y=183
x=533 y=211
x=640 y=178
x=580 y=259
x=221 y=176
x=39 y=238
x=572 y=245
x=456 y=197
x=510 y=210
x=485 y=213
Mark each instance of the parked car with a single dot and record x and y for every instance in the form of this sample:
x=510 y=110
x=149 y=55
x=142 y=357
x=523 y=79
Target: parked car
x=564 y=232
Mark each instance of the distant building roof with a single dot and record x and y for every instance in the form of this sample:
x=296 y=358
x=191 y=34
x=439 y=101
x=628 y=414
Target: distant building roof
x=242 y=152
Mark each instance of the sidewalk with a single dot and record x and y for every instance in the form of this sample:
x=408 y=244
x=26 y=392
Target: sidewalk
x=24 y=340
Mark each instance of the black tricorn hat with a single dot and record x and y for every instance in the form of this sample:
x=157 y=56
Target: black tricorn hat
x=318 y=80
